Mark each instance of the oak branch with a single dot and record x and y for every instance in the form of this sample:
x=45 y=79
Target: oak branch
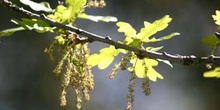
x=181 y=59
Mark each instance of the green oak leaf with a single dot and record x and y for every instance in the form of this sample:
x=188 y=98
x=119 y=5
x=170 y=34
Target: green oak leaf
x=141 y=66
x=58 y=14
x=9 y=32
x=43 y=6
x=129 y=32
x=217 y=17
x=157 y=49
x=162 y=38
x=75 y=5
x=127 y=29
x=154 y=48
x=152 y=28
x=166 y=62
x=33 y=24
x=97 y=18
x=104 y=58
x=211 y=40
x=74 y=8
x=60 y=40
x=135 y=43
x=212 y=73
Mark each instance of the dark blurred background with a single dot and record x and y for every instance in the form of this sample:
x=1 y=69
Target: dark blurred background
x=27 y=81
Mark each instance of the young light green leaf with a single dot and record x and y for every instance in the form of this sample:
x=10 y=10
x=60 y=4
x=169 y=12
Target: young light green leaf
x=154 y=48
x=74 y=8
x=9 y=32
x=98 y=18
x=153 y=74
x=75 y=5
x=60 y=40
x=213 y=73
x=127 y=29
x=143 y=65
x=166 y=62
x=43 y=6
x=152 y=28
x=58 y=14
x=104 y=58
x=211 y=40
x=135 y=43
x=162 y=38
x=216 y=17
x=30 y=24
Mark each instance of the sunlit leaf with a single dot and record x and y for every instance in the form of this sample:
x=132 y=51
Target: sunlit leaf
x=74 y=8
x=98 y=18
x=93 y=59
x=153 y=74
x=8 y=32
x=217 y=17
x=43 y=6
x=150 y=62
x=143 y=67
x=162 y=38
x=75 y=5
x=33 y=24
x=211 y=40
x=139 y=68
x=135 y=43
x=166 y=62
x=104 y=58
x=67 y=16
x=60 y=39
x=152 y=28
x=127 y=29
x=58 y=14
x=212 y=73
x=154 y=48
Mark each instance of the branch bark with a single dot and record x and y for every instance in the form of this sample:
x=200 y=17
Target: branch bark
x=181 y=59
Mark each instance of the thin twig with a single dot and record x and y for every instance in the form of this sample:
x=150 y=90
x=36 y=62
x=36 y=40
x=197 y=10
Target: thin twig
x=185 y=60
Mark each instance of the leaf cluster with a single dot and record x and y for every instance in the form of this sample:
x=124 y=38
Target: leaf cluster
x=74 y=65
x=142 y=67
x=213 y=41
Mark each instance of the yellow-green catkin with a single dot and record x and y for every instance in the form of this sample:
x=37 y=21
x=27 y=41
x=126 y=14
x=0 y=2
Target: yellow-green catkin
x=114 y=70
x=145 y=86
x=65 y=83
x=130 y=96
x=78 y=99
x=96 y=3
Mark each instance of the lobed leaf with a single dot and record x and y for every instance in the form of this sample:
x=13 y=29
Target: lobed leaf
x=58 y=14
x=216 y=17
x=152 y=28
x=157 y=49
x=153 y=74
x=166 y=62
x=211 y=40
x=212 y=73
x=43 y=6
x=74 y=8
x=33 y=24
x=104 y=58
x=127 y=29
x=141 y=69
x=9 y=32
x=162 y=38
x=98 y=18
x=75 y=5
x=154 y=48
